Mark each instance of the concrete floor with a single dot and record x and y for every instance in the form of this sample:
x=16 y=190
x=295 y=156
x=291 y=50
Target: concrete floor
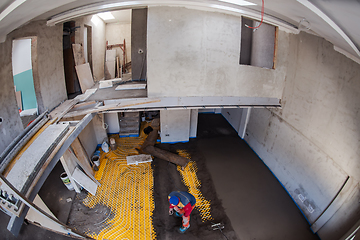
x=254 y=200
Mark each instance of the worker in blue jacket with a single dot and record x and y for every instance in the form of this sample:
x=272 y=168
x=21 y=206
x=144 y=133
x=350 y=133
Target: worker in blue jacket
x=183 y=203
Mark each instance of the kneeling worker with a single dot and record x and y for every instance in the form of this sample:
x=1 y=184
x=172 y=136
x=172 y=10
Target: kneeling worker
x=183 y=203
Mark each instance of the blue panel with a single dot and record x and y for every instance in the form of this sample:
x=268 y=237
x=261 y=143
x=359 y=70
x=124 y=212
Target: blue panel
x=24 y=82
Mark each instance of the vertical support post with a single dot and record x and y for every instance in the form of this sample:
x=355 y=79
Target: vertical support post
x=243 y=122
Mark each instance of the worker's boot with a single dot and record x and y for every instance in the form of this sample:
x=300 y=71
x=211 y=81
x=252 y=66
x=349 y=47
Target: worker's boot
x=183 y=229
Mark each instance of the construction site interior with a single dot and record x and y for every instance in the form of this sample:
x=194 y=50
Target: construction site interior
x=250 y=106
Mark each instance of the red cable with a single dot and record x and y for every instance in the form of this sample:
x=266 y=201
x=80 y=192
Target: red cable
x=262 y=17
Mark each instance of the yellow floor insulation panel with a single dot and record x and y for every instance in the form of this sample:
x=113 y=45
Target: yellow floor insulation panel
x=128 y=191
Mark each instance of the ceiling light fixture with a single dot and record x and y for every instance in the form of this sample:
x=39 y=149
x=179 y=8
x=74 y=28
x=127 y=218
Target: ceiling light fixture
x=106 y=16
x=238 y=2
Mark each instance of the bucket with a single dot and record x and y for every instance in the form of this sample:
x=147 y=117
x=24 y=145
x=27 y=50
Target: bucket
x=113 y=144
x=95 y=159
x=64 y=177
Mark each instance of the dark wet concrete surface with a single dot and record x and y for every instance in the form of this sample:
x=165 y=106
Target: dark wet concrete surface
x=254 y=200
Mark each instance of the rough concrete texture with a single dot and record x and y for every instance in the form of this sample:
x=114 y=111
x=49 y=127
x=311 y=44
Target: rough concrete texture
x=139 y=41
x=98 y=42
x=10 y=125
x=262 y=47
x=115 y=34
x=175 y=125
x=314 y=139
x=196 y=53
x=256 y=204
x=49 y=83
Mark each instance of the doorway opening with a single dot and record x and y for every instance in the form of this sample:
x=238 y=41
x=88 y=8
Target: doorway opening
x=24 y=61
x=71 y=79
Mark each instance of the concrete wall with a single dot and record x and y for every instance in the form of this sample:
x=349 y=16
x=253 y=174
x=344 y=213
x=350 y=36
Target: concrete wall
x=98 y=42
x=196 y=53
x=49 y=80
x=174 y=125
x=312 y=143
x=115 y=34
x=139 y=30
x=233 y=116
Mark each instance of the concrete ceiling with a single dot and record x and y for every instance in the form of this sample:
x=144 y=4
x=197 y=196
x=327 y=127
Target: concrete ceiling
x=336 y=21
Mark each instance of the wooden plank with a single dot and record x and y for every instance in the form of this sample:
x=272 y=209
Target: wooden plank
x=85 y=76
x=18 y=99
x=82 y=112
x=81 y=178
x=130 y=87
x=82 y=157
x=83 y=97
x=105 y=84
x=83 y=104
x=117 y=67
x=78 y=52
x=63 y=108
x=107 y=108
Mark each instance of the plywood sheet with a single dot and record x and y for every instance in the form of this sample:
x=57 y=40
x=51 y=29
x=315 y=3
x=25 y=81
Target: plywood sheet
x=109 y=69
x=78 y=52
x=85 y=76
x=105 y=84
x=82 y=157
x=111 y=55
x=81 y=178
x=130 y=87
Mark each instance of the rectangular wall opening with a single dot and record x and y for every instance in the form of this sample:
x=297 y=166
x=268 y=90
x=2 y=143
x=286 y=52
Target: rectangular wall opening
x=258 y=46
x=23 y=58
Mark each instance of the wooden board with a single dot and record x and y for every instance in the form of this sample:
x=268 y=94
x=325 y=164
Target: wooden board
x=110 y=55
x=82 y=157
x=84 y=181
x=109 y=69
x=83 y=97
x=78 y=52
x=136 y=159
x=85 y=76
x=63 y=108
x=130 y=87
x=105 y=84
x=18 y=99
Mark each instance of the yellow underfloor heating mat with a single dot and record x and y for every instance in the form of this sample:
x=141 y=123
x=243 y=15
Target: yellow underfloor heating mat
x=191 y=181
x=127 y=190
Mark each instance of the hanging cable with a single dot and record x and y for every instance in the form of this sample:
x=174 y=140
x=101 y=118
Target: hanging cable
x=262 y=17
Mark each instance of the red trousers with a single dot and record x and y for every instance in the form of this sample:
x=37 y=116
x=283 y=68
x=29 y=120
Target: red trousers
x=185 y=220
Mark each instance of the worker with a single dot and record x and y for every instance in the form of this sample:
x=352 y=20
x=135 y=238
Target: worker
x=183 y=203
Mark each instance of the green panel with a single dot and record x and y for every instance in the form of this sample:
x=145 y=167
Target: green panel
x=24 y=82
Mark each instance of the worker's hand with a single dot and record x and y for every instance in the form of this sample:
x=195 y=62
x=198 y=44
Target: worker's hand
x=171 y=211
